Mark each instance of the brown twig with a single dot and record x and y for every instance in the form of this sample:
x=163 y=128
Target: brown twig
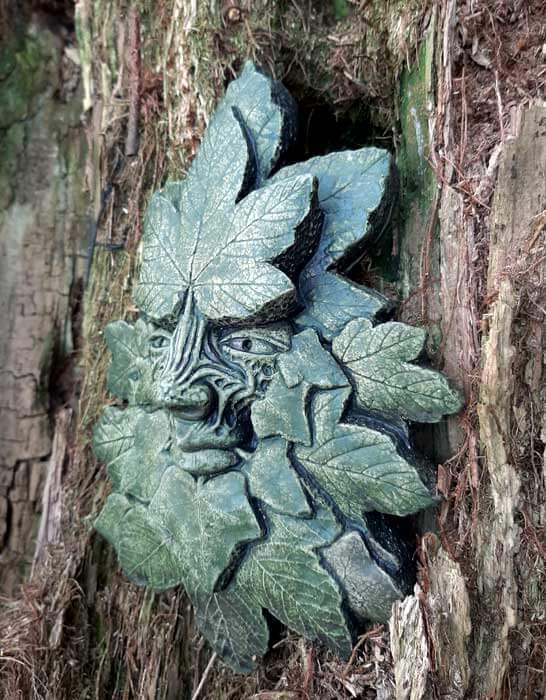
x=361 y=640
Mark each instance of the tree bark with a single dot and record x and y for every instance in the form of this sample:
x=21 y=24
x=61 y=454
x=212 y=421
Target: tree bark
x=41 y=232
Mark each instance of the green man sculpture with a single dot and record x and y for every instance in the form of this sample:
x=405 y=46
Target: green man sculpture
x=259 y=454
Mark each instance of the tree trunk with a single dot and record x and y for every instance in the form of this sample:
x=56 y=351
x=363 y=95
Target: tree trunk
x=465 y=257
x=41 y=231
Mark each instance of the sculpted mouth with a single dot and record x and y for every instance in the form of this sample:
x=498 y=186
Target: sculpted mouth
x=201 y=448
x=192 y=435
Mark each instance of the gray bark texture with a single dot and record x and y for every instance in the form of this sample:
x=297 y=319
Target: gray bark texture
x=41 y=229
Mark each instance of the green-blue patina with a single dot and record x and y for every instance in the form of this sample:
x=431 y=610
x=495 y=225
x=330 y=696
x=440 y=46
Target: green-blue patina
x=264 y=446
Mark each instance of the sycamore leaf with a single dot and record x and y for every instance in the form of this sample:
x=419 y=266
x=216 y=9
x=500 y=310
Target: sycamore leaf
x=109 y=519
x=378 y=359
x=219 y=249
x=134 y=444
x=207 y=523
x=144 y=551
x=272 y=478
x=222 y=172
x=233 y=277
x=268 y=113
x=234 y=627
x=131 y=367
x=369 y=589
x=352 y=189
x=284 y=575
x=359 y=467
x=331 y=301
x=354 y=193
x=113 y=439
x=307 y=361
x=187 y=535
x=282 y=411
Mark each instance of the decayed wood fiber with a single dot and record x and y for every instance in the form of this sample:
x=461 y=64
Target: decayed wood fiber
x=456 y=637
x=41 y=232
x=493 y=296
x=409 y=648
x=520 y=196
x=430 y=632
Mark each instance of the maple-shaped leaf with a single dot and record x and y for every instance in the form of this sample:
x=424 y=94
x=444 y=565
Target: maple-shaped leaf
x=359 y=467
x=234 y=626
x=223 y=250
x=284 y=574
x=369 y=589
x=331 y=301
x=282 y=410
x=355 y=191
x=272 y=478
x=268 y=112
x=222 y=172
x=130 y=375
x=133 y=443
x=206 y=522
x=378 y=360
x=144 y=551
x=114 y=438
x=309 y=362
x=279 y=412
x=109 y=519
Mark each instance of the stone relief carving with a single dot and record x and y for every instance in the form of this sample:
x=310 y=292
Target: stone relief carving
x=262 y=458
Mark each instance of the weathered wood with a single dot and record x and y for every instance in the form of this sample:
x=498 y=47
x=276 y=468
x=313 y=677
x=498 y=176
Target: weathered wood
x=493 y=522
x=409 y=648
x=430 y=632
x=40 y=229
x=49 y=532
x=516 y=251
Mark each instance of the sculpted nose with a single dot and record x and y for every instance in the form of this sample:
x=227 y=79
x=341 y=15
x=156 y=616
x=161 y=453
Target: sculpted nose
x=194 y=403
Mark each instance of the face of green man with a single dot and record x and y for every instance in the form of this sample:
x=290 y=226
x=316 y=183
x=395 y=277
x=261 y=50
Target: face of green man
x=205 y=377
x=259 y=453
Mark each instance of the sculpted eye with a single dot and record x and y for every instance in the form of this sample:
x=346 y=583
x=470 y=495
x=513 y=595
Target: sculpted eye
x=253 y=346
x=157 y=342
